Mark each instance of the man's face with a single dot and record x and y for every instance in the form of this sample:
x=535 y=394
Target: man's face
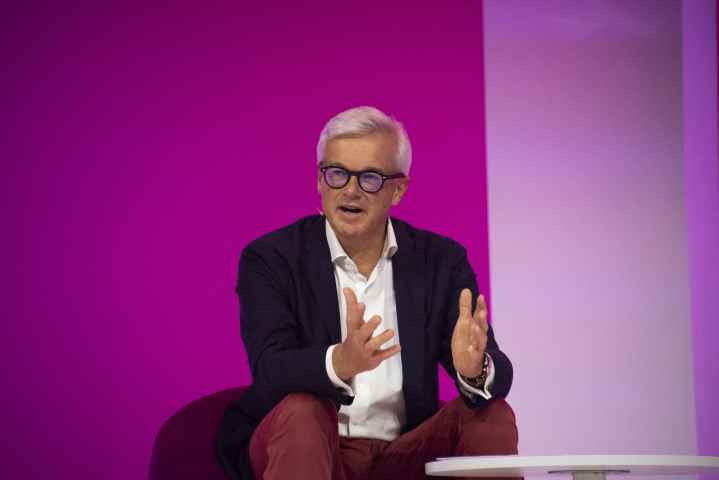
x=353 y=213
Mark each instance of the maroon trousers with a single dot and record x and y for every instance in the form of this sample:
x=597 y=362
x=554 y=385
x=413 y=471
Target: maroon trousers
x=299 y=440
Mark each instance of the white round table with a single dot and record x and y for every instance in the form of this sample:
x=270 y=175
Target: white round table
x=580 y=467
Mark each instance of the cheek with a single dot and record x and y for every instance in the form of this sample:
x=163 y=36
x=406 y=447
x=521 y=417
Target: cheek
x=389 y=197
x=328 y=194
x=383 y=203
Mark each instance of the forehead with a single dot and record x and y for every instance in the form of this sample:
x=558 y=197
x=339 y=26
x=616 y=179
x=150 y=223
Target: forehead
x=378 y=150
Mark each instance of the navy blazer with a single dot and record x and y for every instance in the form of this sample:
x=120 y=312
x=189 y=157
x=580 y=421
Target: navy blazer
x=289 y=316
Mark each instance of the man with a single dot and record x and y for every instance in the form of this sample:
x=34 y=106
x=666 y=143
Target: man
x=345 y=317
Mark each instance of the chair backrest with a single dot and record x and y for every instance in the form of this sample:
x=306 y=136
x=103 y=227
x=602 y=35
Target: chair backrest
x=184 y=448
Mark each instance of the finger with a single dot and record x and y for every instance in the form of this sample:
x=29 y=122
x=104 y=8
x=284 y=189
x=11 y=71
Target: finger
x=352 y=307
x=479 y=341
x=465 y=304
x=481 y=303
x=376 y=342
x=480 y=313
x=369 y=327
x=390 y=352
x=350 y=298
x=361 y=307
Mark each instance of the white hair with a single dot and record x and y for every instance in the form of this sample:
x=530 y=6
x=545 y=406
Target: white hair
x=363 y=121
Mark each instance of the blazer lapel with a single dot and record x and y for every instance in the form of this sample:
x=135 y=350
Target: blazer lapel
x=320 y=274
x=408 y=269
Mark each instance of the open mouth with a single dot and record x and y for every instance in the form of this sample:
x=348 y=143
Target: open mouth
x=351 y=210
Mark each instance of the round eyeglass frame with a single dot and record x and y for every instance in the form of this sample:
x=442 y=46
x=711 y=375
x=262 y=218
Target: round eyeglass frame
x=351 y=173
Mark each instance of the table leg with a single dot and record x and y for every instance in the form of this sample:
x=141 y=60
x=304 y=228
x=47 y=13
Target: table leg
x=589 y=476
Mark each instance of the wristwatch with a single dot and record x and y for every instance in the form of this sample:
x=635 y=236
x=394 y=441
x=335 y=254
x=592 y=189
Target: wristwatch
x=478 y=381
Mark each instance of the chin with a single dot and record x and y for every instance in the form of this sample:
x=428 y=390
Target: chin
x=349 y=230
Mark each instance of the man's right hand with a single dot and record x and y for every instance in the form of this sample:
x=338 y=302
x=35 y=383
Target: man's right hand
x=360 y=352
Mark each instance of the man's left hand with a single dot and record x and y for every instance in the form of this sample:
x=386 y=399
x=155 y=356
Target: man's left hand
x=470 y=336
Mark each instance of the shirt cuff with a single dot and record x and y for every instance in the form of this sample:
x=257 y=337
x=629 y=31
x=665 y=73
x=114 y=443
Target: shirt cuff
x=342 y=386
x=472 y=391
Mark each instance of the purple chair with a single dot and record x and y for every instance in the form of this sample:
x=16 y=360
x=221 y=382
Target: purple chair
x=185 y=445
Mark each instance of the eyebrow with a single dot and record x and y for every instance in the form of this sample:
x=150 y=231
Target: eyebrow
x=337 y=164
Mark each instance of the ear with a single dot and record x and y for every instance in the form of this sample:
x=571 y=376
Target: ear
x=399 y=190
x=319 y=181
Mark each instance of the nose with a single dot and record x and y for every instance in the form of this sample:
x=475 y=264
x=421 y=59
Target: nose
x=352 y=187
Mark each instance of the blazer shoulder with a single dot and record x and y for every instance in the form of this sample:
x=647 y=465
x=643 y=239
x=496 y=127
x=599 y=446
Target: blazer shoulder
x=289 y=238
x=425 y=241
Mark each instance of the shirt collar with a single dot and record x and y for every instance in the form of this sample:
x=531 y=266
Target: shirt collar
x=336 y=250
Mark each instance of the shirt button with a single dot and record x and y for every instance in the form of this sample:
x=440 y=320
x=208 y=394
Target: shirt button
x=361 y=379
x=355 y=421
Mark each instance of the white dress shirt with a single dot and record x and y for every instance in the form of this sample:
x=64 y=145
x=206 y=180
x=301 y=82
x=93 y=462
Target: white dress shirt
x=378 y=408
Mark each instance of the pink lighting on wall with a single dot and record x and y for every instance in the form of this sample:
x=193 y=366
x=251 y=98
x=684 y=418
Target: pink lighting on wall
x=701 y=165
x=588 y=238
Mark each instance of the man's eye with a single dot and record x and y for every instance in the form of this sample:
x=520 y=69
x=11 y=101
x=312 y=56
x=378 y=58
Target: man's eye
x=374 y=176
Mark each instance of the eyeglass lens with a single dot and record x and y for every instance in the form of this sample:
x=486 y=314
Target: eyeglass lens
x=369 y=181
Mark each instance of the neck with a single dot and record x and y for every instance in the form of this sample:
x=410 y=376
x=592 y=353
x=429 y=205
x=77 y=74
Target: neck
x=364 y=252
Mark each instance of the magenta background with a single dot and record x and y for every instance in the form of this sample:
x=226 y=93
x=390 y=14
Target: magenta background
x=137 y=139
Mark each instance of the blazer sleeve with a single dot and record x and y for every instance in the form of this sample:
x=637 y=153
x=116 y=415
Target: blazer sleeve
x=462 y=276
x=270 y=331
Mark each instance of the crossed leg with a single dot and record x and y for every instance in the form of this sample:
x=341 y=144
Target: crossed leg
x=299 y=439
x=453 y=431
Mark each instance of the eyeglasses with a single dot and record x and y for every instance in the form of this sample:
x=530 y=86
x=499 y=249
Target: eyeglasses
x=369 y=181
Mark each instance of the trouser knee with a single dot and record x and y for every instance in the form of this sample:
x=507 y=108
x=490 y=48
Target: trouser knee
x=499 y=421
x=491 y=430
x=297 y=439
x=306 y=416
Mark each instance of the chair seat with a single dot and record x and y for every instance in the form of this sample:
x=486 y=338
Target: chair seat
x=184 y=448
